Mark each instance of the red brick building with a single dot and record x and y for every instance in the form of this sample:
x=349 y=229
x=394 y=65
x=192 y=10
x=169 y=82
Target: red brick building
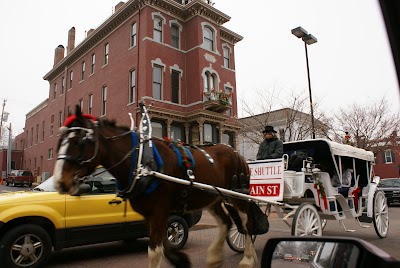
x=387 y=158
x=174 y=54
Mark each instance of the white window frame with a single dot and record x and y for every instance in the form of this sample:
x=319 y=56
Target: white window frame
x=106 y=53
x=388 y=155
x=54 y=91
x=132 y=86
x=180 y=27
x=227 y=62
x=103 y=100
x=90 y=104
x=133 y=34
x=92 y=63
x=206 y=25
x=62 y=85
x=83 y=68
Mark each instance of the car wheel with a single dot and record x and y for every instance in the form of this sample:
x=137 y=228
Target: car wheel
x=27 y=245
x=177 y=233
x=7 y=183
x=13 y=184
x=30 y=185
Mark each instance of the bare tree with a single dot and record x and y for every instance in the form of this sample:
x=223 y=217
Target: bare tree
x=289 y=113
x=370 y=126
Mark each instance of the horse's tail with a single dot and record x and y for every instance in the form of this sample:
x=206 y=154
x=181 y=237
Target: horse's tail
x=258 y=221
x=177 y=258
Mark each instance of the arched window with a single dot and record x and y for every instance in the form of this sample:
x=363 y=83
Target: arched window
x=157 y=33
x=210 y=81
x=208 y=34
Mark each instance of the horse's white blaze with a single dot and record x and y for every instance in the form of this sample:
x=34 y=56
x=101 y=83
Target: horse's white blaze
x=155 y=256
x=58 y=167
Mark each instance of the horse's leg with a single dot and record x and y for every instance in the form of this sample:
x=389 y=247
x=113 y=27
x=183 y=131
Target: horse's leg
x=157 y=227
x=249 y=256
x=156 y=250
x=215 y=253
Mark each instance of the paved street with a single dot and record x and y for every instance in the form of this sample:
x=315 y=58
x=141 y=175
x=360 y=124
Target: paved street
x=120 y=254
x=134 y=254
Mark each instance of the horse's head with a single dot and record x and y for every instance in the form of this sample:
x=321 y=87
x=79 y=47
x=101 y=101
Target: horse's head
x=77 y=155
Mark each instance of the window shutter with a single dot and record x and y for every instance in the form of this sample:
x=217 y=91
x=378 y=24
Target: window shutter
x=393 y=156
x=383 y=157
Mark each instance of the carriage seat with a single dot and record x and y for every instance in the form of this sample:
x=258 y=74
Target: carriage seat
x=330 y=191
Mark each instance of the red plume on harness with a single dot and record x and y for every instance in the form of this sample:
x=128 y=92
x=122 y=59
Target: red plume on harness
x=72 y=118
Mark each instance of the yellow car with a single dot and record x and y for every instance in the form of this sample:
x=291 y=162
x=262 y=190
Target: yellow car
x=33 y=223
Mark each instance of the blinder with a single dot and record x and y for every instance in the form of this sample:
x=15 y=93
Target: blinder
x=85 y=136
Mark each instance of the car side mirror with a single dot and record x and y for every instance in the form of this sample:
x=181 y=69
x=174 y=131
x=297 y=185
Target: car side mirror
x=82 y=189
x=324 y=252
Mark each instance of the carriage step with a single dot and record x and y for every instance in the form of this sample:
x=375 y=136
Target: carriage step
x=344 y=227
x=362 y=225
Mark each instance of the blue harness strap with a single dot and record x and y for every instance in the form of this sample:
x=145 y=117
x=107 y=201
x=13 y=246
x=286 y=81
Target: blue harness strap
x=157 y=158
x=133 y=161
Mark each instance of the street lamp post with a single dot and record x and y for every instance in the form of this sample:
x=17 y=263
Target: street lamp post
x=308 y=39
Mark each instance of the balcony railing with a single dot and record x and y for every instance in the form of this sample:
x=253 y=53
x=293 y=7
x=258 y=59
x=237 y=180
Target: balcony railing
x=217 y=101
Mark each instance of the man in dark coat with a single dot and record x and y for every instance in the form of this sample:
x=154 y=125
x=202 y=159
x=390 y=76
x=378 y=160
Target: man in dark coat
x=271 y=147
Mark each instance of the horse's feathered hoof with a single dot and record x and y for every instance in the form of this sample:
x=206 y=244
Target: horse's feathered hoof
x=177 y=258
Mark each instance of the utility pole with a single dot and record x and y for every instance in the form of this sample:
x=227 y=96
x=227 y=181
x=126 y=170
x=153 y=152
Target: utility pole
x=9 y=150
x=2 y=114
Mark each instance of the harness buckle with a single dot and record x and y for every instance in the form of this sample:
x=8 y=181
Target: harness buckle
x=190 y=174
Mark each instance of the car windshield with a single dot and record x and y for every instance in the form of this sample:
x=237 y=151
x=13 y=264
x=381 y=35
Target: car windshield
x=389 y=183
x=46 y=186
x=101 y=182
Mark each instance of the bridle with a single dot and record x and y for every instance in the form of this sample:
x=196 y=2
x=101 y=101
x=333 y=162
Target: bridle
x=92 y=135
x=88 y=137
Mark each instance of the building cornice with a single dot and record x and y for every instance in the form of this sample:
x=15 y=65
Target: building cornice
x=183 y=12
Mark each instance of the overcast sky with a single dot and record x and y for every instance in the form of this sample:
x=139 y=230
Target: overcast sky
x=351 y=62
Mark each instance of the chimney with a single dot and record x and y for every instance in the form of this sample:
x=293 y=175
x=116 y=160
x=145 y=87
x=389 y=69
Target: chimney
x=71 y=40
x=118 y=6
x=89 y=32
x=58 y=54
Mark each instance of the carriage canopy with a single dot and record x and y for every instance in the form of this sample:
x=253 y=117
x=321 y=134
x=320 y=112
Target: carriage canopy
x=319 y=147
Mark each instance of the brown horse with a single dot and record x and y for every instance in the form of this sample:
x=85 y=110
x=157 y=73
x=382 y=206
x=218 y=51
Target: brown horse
x=86 y=142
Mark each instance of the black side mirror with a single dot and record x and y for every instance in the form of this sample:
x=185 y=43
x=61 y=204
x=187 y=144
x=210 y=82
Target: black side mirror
x=324 y=252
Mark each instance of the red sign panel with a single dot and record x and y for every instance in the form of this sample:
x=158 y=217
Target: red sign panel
x=272 y=189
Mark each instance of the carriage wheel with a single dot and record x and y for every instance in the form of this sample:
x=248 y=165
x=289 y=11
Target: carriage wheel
x=306 y=221
x=381 y=214
x=236 y=240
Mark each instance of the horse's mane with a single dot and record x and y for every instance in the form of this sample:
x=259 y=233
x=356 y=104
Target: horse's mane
x=113 y=124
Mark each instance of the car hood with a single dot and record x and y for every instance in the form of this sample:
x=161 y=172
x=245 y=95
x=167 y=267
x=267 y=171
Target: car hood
x=389 y=188
x=27 y=196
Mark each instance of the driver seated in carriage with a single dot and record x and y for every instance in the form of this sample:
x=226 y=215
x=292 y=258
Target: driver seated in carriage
x=343 y=186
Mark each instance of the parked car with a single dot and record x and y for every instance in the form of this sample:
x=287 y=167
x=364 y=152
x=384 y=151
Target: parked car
x=305 y=258
x=288 y=257
x=32 y=223
x=20 y=177
x=391 y=187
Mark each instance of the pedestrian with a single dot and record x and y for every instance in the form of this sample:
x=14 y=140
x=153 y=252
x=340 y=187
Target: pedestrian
x=271 y=147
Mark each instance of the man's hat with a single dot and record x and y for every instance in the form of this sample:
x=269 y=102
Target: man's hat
x=269 y=129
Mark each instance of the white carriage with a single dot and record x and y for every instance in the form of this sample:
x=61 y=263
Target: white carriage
x=305 y=193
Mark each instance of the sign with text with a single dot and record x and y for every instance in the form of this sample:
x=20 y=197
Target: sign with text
x=266 y=179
